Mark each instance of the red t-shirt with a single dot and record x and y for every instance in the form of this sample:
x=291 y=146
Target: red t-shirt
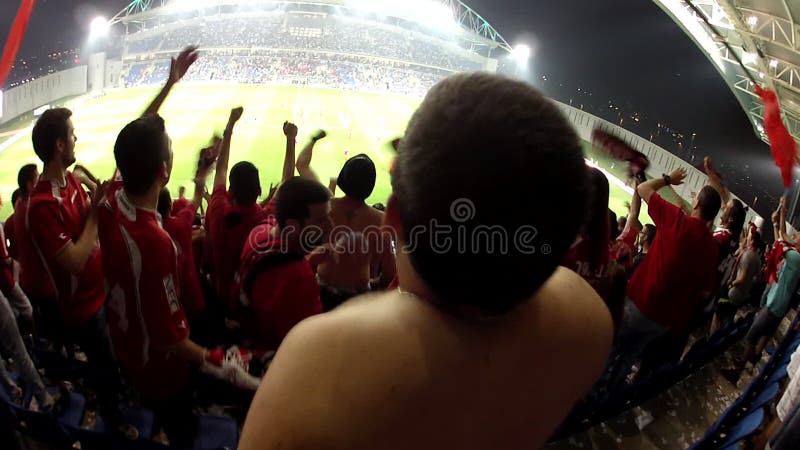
x=6 y=273
x=56 y=216
x=8 y=229
x=30 y=277
x=140 y=263
x=774 y=260
x=228 y=227
x=724 y=239
x=179 y=205
x=623 y=249
x=279 y=288
x=179 y=228
x=578 y=259
x=679 y=270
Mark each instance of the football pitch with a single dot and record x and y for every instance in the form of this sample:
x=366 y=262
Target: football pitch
x=356 y=123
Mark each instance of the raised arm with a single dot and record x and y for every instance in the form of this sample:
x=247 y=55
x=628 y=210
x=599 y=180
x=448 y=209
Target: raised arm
x=715 y=180
x=225 y=148
x=177 y=69
x=782 y=224
x=332 y=185
x=648 y=188
x=304 y=159
x=290 y=131
x=633 y=214
x=208 y=156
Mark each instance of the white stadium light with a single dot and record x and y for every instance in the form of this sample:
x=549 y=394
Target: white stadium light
x=749 y=57
x=752 y=21
x=98 y=28
x=521 y=54
x=774 y=63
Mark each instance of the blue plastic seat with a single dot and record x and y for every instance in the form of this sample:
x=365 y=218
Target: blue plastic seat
x=779 y=374
x=767 y=395
x=216 y=432
x=74 y=407
x=744 y=428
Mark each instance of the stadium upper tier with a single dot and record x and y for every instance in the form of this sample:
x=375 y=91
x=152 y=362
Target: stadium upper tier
x=304 y=31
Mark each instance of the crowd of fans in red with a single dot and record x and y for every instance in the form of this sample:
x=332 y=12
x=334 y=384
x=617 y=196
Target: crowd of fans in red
x=448 y=350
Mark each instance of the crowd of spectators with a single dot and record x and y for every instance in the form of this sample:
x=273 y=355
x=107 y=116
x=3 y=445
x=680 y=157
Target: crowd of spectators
x=288 y=31
x=358 y=326
x=303 y=68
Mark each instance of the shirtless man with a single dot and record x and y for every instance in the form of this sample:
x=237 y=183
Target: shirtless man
x=360 y=250
x=477 y=349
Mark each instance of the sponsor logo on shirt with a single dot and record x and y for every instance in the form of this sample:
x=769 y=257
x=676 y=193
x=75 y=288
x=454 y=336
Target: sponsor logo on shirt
x=172 y=295
x=62 y=237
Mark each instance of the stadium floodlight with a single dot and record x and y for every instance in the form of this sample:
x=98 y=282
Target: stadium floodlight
x=749 y=57
x=521 y=54
x=752 y=21
x=98 y=28
x=774 y=63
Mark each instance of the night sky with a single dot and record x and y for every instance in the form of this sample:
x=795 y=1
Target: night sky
x=627 y=51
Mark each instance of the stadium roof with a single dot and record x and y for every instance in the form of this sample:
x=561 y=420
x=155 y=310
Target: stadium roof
x=469 y=21
x=764 y=35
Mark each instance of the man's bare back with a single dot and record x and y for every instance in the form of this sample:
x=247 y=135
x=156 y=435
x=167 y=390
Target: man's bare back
x=356 y=237
x=391 y=371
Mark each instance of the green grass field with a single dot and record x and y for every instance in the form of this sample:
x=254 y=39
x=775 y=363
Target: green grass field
x=356 y=123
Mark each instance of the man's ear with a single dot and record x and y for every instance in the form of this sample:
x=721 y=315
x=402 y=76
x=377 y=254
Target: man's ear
x=165 y=170
x=60 y=146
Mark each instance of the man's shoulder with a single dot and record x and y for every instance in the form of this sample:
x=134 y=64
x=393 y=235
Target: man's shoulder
x=793 y=257
x=575 y=306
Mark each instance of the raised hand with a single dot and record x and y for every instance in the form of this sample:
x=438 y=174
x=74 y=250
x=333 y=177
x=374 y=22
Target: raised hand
x=290 y=130
x=182 y=63
x=677 y=176
x=236 y=114
x=320 y=134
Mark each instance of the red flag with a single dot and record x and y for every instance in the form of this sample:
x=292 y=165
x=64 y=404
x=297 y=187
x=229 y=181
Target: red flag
x=15 y=38
x=784 y=149
x=618 y=149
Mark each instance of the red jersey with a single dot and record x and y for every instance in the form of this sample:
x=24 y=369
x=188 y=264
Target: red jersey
x=774 y=260
x=277 y=286
x=56 y=215
x=578 y=259
x=30 y=264
x=6 y=273
x=179 y=205
x=724 y=239
x=679 y=270
x=140 y=263
x=179 y=228
x=228 y=227
x=623 y=249
x=8 y=229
